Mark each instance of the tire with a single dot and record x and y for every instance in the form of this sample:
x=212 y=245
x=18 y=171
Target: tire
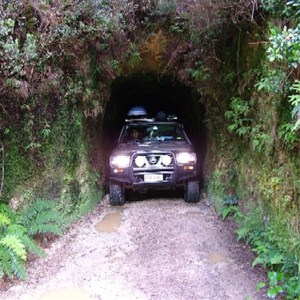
x=116 y=194
x=192 y=192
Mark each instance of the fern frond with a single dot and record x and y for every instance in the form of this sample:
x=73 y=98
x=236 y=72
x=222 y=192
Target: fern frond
x=4 y=219
x=39 y=205
x=13 y=243
x=5 y=265
x=11 y=264
x=21 y=232
x=6 y=210
x=49 y=217
x=45 y=228
x=18 y=267
x=31 y=246
x=41 y=217
x=16 y=229
x=34 y=209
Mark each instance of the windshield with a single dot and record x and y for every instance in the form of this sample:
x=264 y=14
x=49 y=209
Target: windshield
x=151 y=132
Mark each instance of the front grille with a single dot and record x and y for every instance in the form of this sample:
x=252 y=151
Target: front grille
x=161 y=164
x=157 y=160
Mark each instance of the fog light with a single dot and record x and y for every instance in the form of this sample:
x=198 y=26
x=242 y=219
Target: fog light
x=166 y=160
x=140 y=161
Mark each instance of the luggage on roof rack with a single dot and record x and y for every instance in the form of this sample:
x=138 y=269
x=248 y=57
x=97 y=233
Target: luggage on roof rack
x=172 y=117
x=139 y=114
x=137 y=111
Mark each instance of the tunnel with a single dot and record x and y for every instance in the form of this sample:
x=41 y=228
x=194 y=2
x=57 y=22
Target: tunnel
x=155 y=92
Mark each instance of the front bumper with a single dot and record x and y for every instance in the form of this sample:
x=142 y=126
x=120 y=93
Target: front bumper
x=154 y=178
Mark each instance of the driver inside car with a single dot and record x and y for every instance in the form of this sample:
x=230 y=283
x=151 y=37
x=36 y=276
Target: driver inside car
x=135 y=135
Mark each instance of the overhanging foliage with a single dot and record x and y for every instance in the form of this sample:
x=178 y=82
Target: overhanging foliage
x=58 y=59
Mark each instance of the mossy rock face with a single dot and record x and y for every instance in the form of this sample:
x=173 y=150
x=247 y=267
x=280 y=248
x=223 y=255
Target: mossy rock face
x=18 y=168
x=16 y=202
x=153 y=51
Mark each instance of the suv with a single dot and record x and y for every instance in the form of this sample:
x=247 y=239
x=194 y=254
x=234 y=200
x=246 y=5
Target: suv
x=153 y=155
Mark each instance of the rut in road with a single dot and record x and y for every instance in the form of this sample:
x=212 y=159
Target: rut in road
x=150 y=249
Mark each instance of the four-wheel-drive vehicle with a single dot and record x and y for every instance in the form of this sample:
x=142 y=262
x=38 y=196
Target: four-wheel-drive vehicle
x=153 y=155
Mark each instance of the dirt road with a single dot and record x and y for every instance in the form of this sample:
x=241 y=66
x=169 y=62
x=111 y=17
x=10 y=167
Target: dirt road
x=150 y=249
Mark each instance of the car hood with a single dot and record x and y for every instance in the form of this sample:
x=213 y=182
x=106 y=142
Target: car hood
x=130 y=148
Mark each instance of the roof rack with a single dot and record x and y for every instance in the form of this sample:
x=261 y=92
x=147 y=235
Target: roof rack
x=139 y=120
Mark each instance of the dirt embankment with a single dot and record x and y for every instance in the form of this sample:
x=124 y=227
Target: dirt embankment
x=150 y=249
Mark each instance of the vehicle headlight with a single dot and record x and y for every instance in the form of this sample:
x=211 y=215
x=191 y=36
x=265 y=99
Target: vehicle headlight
x=120 y=161
x=186 y=157
x=166 y=160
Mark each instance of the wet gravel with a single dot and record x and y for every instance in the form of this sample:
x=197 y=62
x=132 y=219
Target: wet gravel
x=151 y=249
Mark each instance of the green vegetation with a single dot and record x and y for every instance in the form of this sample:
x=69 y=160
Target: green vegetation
x=262 y=120
x=41 y=217
x=58 y=60
x=17 y=231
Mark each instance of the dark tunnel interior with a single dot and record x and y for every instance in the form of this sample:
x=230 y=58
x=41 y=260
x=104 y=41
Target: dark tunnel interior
x=155 y=93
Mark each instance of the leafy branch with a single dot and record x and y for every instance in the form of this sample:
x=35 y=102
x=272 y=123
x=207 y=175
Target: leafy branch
x=2 y=168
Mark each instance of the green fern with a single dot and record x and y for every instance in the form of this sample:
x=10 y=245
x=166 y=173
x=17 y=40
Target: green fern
x=7 y=217
x=16 y=231
x=12 y=256
x=4 y=220
x=21 y=232
x=11 y=265
x=35 y=208
x=5 y=262
x=8 y=212
x=14 y=244
x=42 y=217
x=18 y=266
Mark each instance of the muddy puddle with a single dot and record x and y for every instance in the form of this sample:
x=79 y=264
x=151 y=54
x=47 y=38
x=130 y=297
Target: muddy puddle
x=111 y=222
x=216 y=258
x=66 y=294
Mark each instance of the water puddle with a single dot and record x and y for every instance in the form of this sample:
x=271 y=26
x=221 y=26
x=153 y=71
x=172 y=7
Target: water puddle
x=66 y=294
x=216 y=258
x=110 y=223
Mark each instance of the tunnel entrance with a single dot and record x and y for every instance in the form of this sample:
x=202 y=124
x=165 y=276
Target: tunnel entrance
x=155 y=93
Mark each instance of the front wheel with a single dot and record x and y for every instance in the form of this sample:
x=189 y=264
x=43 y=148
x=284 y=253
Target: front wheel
x=116 y=194
x=192 y=192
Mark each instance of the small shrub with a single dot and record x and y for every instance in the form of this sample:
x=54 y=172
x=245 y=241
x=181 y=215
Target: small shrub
x=272 y=243
x=17 y=230
x=238 y=115
x=41 y=217
x=14 y=244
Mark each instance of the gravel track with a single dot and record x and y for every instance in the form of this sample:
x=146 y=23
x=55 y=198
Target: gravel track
x=150 y=249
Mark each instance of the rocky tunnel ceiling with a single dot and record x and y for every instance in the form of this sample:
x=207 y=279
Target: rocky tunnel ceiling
x=153 y=92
